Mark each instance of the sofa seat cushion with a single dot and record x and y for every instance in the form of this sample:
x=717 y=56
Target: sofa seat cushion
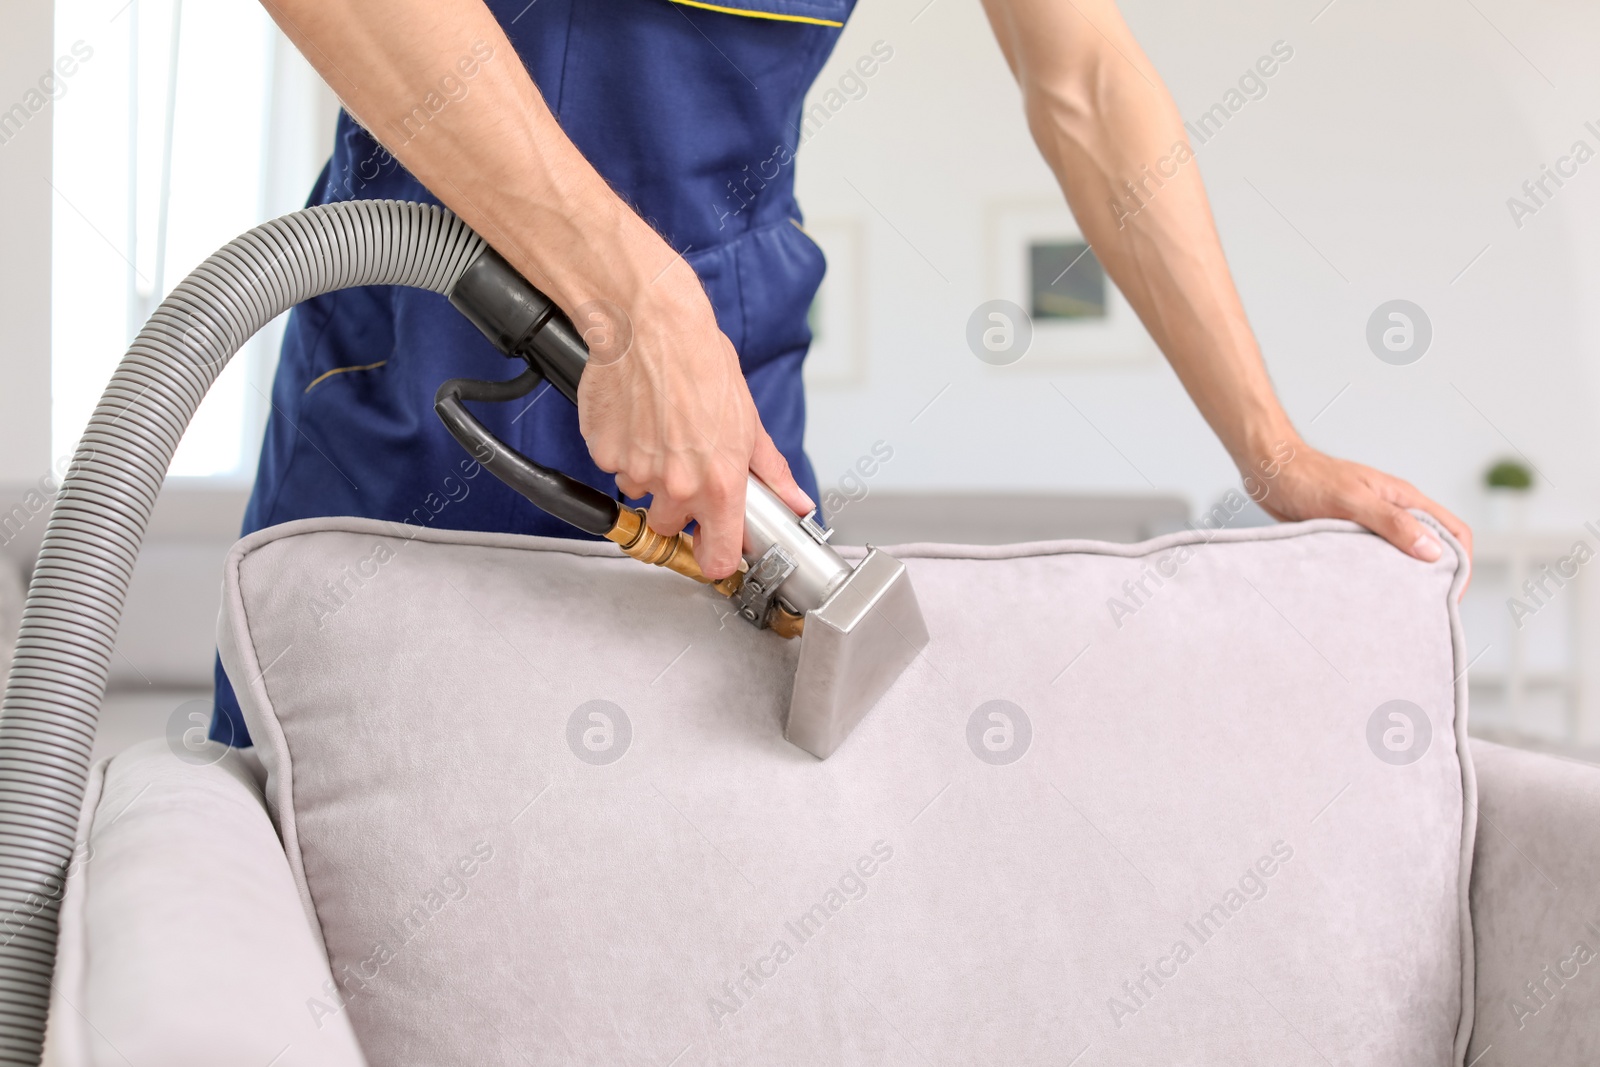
x=182 y=940
x=1199 y=800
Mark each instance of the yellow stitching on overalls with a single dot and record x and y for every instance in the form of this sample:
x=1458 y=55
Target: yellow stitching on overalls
x=758 y=14
x=325 y=375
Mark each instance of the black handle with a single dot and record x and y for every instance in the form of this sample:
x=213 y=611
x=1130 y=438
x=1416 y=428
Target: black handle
x=521 y=321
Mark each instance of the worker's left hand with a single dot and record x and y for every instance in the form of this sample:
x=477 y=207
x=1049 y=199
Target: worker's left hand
x=1312 y=485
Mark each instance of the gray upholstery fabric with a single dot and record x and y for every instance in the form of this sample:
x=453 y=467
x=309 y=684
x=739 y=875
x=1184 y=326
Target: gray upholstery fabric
x=1135 y=804
x=183 y=940
x=1536 y=910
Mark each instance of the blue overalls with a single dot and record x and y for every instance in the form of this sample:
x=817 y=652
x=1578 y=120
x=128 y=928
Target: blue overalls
x=692 y=112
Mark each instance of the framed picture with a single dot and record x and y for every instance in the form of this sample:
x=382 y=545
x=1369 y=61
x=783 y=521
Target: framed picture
x=1039 y=260
x=838 y=325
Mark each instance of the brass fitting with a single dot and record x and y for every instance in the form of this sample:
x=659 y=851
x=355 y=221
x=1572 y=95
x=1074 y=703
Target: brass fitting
x=676 y=553
x=785 y=623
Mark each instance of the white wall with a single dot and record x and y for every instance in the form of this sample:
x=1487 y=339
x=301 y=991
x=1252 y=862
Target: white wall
x=26 y=54
x=1391 y=141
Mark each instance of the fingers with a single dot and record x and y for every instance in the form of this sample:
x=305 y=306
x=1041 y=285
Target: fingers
x=768 y=464
x=1404 y=495
x=720 y=513
x=716 y=503
x=667 y=514
x=631 y=489
x=1400 y=528
x=676 y=421
x=1458 y=529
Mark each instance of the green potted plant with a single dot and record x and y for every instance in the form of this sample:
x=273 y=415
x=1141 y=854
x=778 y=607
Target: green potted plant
x=1509 y=482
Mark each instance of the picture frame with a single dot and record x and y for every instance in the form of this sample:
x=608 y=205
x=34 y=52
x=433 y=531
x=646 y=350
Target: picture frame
x=1076 y=322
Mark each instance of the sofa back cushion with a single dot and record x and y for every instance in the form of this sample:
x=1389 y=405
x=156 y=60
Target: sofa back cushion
x=1198 y=800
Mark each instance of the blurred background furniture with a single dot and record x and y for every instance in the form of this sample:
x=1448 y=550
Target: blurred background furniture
x=1532 y=646
x=888 y=517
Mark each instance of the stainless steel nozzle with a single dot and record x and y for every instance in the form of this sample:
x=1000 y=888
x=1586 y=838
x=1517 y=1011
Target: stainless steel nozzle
x=862 y=626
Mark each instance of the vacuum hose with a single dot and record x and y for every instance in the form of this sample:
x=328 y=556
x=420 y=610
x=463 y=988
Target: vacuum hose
x=75 y=600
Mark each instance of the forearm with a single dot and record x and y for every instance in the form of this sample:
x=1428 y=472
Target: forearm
x=1109 y=130
x=439 y=85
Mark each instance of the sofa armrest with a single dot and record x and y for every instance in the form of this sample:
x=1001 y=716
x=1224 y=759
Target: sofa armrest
x=1536 y=910
x=183 y=938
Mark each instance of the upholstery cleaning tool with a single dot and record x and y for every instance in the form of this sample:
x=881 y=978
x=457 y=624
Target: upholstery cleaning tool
x=858 y=627
x=97 y=523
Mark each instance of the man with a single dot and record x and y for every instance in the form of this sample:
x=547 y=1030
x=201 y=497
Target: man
x=618 y=211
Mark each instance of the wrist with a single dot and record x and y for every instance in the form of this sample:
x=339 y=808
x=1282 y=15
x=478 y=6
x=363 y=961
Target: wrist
x=1265 y=445
x=580 y=243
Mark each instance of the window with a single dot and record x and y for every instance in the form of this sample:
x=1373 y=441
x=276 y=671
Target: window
x=181 y=126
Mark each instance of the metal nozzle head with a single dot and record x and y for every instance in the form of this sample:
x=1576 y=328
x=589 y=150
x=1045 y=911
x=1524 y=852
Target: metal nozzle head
x=854 y=646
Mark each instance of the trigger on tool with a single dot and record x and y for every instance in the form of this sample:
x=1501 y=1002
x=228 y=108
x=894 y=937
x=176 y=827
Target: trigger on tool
x=756 y=593
x=819 y=533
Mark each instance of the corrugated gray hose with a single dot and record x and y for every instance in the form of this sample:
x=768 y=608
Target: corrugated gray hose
x=58 y=676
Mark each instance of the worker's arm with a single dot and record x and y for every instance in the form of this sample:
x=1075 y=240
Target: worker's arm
x=672 y=414
x=1102 y=117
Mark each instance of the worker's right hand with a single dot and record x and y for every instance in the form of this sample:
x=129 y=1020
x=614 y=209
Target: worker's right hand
x=664 y=406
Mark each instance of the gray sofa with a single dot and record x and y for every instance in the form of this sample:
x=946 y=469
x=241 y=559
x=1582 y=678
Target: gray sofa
x=406 y=736
x=201 y=952
x=1535 y=900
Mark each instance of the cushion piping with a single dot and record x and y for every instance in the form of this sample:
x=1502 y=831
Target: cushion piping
x=239 y=659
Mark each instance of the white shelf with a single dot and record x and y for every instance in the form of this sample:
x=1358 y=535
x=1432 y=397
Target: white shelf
x=1554 y=636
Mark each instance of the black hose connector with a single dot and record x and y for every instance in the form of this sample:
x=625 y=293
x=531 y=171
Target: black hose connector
x=521 y=321
x=500 y=302
x=565 y=497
